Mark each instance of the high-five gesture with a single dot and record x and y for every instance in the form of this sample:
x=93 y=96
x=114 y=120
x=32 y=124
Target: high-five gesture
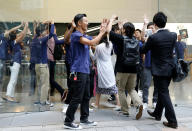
x=103 y=27
x=113 y=18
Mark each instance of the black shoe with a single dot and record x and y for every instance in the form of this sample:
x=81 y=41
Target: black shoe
x=152 y=115
x=72 y=126
x=88 y=123
x=126 y=114
x=171 y=125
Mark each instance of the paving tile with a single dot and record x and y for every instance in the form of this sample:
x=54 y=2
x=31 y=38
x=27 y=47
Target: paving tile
x=6 y=122
x=126 y=128
x=148 y=128
x=12 y=129
x=4 y=115
x=179 y=129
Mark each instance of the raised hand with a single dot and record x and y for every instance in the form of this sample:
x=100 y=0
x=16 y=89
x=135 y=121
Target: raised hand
x=26 y=24
x=114 y=17
x=22 y=24
x=146 y=20
x=103 y=27
x=73 y=24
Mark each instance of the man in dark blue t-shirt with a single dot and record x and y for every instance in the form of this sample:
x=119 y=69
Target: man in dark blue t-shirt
x=180 y=48
x=80 y=70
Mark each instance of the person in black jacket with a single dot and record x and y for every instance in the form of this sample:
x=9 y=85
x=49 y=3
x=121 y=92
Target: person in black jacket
x=161 y=45
x=126 y=74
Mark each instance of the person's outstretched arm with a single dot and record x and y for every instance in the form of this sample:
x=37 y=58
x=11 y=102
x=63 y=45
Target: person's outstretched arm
x=96 y=40
x=22 y=34
x=6 y=34
x=69 y=32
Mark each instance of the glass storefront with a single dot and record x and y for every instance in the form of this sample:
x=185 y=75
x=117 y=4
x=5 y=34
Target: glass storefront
x=13 y=12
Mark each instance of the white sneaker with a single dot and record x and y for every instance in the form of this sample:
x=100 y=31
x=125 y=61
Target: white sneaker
x=107 y=104
x=65 y=106
x=94 y=105
x=72 y=126
x=90 y=110
x=140 y=93
x=145 y=106
x=117 y=108
x=49 y=103
x=154 y=104
x=88 y=123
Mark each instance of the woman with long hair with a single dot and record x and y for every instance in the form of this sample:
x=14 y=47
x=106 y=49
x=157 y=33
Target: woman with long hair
x=106 y=75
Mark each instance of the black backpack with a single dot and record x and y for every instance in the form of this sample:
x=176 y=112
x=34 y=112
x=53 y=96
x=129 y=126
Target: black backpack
x=130 y=56
x=58 y=51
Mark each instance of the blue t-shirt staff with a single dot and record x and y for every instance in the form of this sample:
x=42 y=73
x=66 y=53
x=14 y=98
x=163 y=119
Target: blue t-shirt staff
x=3 y=47
x=80 y=70
x=39 y=48
x=3 y=55
x=80 y=53
x=16 y=57
x=41 y=68
x=5 y=39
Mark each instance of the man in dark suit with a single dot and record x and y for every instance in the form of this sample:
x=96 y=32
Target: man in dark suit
x=161 y=45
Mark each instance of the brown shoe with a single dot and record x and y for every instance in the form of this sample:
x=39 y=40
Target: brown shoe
x=10 y=99
x=140 y=112
x=171 y=125
x=152 y=115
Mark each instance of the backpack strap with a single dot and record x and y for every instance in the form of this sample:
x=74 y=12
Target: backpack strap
x=50 y=50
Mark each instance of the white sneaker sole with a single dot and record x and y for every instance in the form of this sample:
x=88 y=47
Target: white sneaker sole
x=68 y=127
x=94 y=124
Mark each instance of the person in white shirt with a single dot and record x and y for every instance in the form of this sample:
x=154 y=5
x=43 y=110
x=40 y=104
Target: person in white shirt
x=106 y=75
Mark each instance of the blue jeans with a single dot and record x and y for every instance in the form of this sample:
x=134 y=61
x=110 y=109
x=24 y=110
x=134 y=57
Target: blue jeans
x=146 y=83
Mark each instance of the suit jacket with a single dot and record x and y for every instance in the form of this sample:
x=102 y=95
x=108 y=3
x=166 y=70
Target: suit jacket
x=161 y=45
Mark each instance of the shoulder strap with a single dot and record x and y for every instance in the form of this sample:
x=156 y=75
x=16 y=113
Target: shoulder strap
x=50 y=50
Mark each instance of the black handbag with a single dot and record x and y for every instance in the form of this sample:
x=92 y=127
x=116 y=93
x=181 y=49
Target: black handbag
x=180 y=71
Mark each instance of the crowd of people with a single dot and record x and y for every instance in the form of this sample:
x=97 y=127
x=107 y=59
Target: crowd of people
x=142 y=55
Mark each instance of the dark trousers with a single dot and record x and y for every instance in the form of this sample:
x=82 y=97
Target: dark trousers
x=80 y=95
x=139 y=75
x=33 y=78
x=69 y=94
x=164 y=101
x=53 y=83
x=146 y=83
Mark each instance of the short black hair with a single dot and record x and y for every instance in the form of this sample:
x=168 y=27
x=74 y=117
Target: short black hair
x=149 y=24
x=138 y=30
x=38 y=30
x=115 y=27
x=12 y=35
x=129 y=29
x=160 y=19
x=78 y=17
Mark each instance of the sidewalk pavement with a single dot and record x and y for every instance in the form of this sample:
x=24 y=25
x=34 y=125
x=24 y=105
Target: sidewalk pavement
x=108 y=120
